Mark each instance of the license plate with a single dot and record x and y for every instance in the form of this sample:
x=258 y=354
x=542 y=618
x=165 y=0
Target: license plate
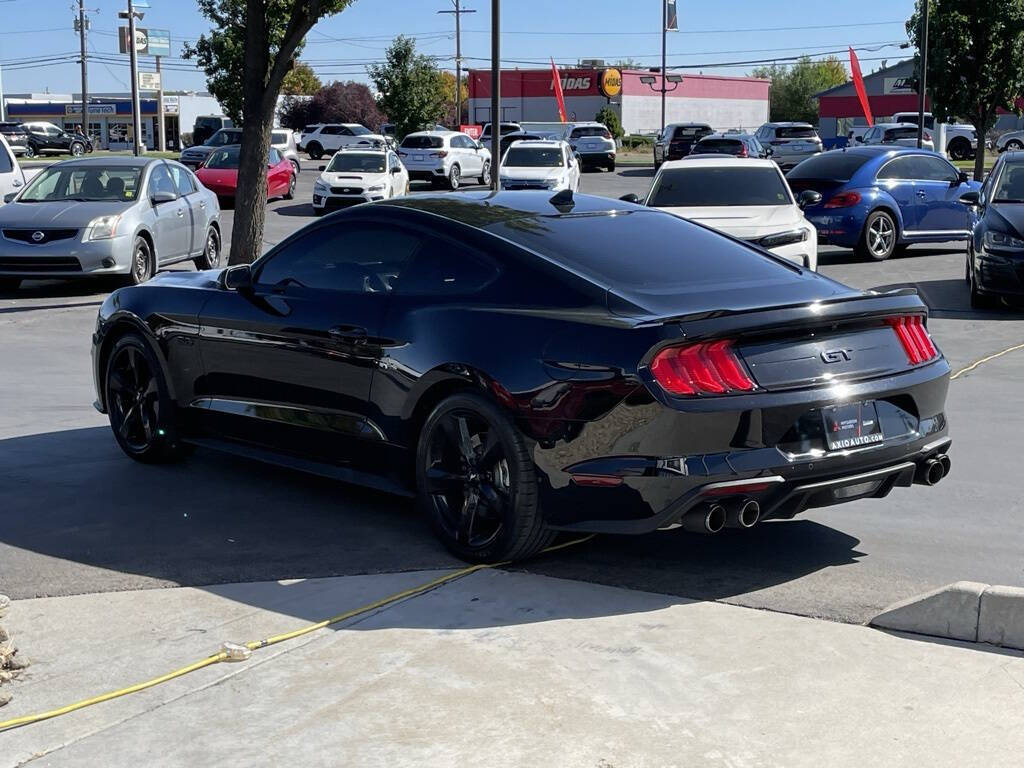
x=418 y=157
x=851 y=425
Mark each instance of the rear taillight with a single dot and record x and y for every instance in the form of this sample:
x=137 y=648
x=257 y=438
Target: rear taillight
x=914 y=338
x=743 y=152
x=927 y=136
x=843 y=200
x=709 y=368
x=441 y=153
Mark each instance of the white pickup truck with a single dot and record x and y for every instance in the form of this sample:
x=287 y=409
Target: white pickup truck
x=961 y=138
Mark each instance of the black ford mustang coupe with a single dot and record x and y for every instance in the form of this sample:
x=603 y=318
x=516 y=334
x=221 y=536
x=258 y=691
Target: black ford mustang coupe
x=526 y=364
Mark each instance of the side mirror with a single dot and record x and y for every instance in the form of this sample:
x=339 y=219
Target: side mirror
x=323 y=167
x=395 y=169
x=859 y=139
x=768 y=151
x=962 y=178
x=163 y=196
x=632 y=197
x=808 y=197
x=9 y=197
x=236 y=278
x=971 y=198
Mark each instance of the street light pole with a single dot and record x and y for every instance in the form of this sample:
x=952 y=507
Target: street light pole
x=458 y=57
x=664 y=33
x=923 y=84
x=136 y=110
x=85 y=78
x=495 y=93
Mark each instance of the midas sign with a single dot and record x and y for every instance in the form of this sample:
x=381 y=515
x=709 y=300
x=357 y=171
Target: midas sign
x=610 y=82
x=574 y=84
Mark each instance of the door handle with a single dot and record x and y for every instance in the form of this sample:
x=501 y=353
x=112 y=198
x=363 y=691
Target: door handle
x=202 y=204
x=352 y=334
x=921 y=193
x=180 y=212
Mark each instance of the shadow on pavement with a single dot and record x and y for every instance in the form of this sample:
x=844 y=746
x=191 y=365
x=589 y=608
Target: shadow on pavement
x=950 y=299
x=46 y=289
x=79 y=517
x=305 y=210
x=647 y=173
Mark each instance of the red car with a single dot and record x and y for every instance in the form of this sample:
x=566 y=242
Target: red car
x=219 y=174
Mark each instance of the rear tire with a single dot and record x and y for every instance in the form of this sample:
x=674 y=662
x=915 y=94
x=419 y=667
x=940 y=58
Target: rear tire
x=454 y=178
x=290 y=194
x=1014 y=146
x=141 y=412
x=10 y=283
x=960 y=148
x=878 y=238
x=477 y=484
x=315 y=151
x=485 y=174
x=77 y=149
x=611 y=166
x=30 y=151
x=210 y=258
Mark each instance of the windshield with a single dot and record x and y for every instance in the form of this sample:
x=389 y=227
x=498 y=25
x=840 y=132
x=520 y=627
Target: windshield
x=1010 y=186
x=279 y=137
x=533 y=157
x=84 y=183
x=726 y=146
x=699 y=187
x=831 y=166
x=358 y=162
x=795 y=132
x=358 y=130
x=223 y=138
x=223 y=159
x=422 y=142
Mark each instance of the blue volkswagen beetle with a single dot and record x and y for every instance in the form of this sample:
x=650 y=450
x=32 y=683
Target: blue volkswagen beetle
x=880 y=199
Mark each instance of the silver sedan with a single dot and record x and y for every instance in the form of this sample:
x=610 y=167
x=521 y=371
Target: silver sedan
x=123 y=216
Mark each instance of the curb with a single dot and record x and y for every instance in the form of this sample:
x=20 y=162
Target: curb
x=965 y=610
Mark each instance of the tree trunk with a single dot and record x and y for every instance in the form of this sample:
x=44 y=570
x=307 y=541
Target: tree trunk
x=979 y=159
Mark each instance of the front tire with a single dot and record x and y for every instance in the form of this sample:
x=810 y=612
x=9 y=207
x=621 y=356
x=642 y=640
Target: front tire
x=77 y=149
x=210 y=258
x=477 y=484
x=485 y=174
x=138 y=403
x=1014 y=146
x=30 y=151
x=290 y=194
x=979 y=300
x=878 y=239
x=143 y=266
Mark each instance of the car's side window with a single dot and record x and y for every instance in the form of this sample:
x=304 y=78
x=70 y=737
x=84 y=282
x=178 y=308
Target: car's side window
x=935 y=169
x=182 y=180
x=345 y=257
x=343 y=131
x=899 y=169
x=160 y=181
x=440 y=268
x=274 y=157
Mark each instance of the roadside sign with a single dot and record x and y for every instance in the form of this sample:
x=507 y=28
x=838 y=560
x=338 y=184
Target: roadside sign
x=148 y=42
x=473 y=131
x=671 y=16
x=159 y=42
x=149 y=81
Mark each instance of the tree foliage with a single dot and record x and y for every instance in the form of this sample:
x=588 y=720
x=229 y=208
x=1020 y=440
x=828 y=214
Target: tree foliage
x=794 y=86
x=409 y=87
x=975 y=61
x=246 y=55
x=301 y=80
x=449 y=117
x=348 y=102
x=609 y=118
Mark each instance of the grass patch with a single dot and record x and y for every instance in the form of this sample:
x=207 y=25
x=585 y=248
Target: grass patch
x=51 y=159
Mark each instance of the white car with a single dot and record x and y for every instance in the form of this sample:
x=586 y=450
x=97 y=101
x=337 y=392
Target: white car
x=356 y=175
x=445 y=157
x=746 y=198
x=900 y=134
x=542 y=164
x=326 y=138
x=12 y=178
x=594 y=144
x=961 y=138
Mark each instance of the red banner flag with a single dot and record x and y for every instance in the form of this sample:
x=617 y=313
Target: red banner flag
x=858 y=84
x=557 y=85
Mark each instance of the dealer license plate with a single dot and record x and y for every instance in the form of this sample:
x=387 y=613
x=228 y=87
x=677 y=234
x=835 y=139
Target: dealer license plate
x=417 y=157
x=851 y=426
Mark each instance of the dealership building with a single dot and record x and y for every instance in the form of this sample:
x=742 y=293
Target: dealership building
x=527 y=95
x=110 y=114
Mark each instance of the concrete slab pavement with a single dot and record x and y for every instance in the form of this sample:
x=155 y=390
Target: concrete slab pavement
x=500 y=668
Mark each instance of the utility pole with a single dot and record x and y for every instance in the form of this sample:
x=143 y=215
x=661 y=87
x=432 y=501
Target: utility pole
x=136 y=110
x=85 y=76
x=923 y=84
x=458 y=58
x=3 y=108
x=161 y=137
x=664 y=33
x=495 y=94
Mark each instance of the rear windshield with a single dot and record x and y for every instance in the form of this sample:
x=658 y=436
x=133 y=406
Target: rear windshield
x=279 y=137
x=719 y=145
x=11 y=128
x=422 y=142
x=593 y=130
x=646 y=251
x=900 y=133
x=795 y=132
x=696 y=187
x=830 y=166
x=533 y=157
x=691 y=132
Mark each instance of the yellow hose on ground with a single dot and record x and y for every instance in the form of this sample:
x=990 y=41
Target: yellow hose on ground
x=256 y=644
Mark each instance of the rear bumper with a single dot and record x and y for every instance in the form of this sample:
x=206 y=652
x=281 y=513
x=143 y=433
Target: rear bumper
x=644 y=467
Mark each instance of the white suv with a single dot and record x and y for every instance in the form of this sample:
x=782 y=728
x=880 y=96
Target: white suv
x=445 y=157
x=961 y=138
x=594 y=144
x=327 y=138
x=544 y=164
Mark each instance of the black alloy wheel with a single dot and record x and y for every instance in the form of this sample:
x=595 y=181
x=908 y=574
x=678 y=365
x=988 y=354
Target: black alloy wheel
x=1014 y=146
x=210 y=258
x=142 y=262
x=454 y=178
x=477 y=484
x=30 y=150
x=139 y=409
x=960 y=149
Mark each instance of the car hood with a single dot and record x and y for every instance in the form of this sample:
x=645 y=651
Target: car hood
x=352 y=177
x=199 y=150
x=59 y=213
x=1008 y=217
x=218 y=177
x=204 y=279
x=548 y=174
x=743 y=222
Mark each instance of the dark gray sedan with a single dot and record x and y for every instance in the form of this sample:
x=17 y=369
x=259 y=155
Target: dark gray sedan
x=108 y=216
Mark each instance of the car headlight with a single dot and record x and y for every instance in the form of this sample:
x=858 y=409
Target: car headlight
x=1003 y=241
x=321 y=187
x=102 y=227
x=783 y=238
x=375 y=188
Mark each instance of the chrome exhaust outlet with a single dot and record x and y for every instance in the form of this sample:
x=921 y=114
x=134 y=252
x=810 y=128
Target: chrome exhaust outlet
x=930 y=472
x=743 y=514
x=943 y=459
x=709 y=518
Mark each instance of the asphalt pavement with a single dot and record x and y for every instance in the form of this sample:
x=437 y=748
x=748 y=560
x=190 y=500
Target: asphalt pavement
x=78 y=517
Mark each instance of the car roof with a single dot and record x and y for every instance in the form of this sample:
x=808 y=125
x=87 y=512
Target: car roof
x=442 y=134
x=725 y=135
x=538 y=143
x=718 y=161
x=481 y=209
x=688 y=125
x=120 y=161
x=790 y=124
x=897 y=125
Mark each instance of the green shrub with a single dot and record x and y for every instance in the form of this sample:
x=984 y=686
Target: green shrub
x=610 y=120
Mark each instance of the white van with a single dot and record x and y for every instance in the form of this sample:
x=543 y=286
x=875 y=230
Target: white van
x=12 y=178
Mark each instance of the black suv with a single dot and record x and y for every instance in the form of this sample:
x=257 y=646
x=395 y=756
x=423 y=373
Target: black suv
x=47 y=137
x=17 y=138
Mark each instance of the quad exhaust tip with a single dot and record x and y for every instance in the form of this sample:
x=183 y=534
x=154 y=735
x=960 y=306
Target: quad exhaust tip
x=743 y=514
x=709 y=518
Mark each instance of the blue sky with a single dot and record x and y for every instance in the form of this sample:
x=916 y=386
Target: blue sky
x=339 y=47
